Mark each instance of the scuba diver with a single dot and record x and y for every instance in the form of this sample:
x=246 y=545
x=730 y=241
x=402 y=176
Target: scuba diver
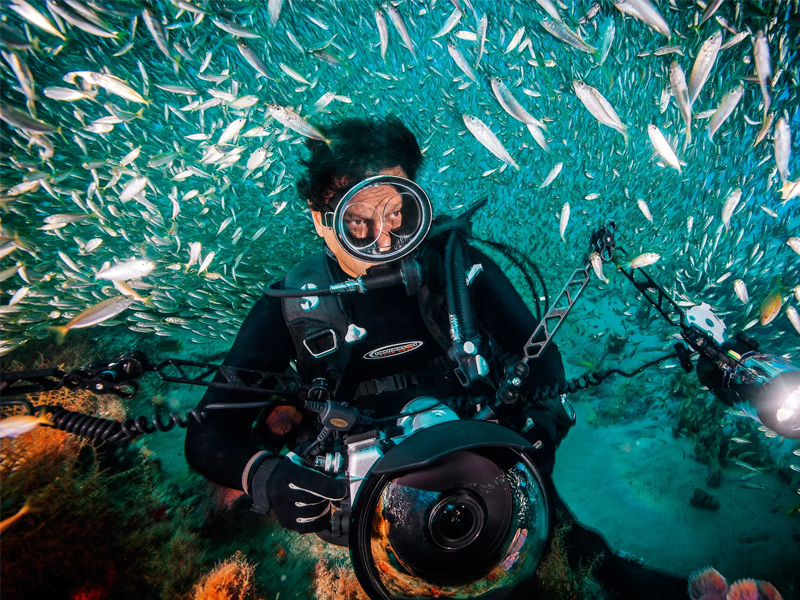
x=380 y=349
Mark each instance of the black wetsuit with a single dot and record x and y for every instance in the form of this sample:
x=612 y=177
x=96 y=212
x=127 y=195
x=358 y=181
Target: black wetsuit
x=220 y=448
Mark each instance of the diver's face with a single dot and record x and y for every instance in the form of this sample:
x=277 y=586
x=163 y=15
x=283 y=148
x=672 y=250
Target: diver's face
x=370 y=218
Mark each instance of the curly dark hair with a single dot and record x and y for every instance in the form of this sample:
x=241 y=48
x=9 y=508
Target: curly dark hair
x=359 y=149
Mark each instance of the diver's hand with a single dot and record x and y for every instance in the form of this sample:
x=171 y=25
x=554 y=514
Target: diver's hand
x=301 y=497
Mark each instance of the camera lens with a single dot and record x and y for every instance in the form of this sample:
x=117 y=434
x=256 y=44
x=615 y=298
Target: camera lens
x=456 y=521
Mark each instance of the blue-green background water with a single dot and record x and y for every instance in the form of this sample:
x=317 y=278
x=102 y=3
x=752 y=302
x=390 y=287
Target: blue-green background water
x=270 y=229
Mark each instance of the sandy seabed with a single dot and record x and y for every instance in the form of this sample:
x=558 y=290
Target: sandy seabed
x=633 y=482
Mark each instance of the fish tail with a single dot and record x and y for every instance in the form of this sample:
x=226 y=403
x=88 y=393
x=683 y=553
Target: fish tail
x=149 y=301
x=327 y=141
x=60 y=331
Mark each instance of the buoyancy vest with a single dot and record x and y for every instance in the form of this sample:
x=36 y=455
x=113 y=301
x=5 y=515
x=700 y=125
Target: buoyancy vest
x=322 y=328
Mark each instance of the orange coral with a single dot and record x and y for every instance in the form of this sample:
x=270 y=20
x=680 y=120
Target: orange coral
x=338 y=583
x=746 y=589
x=232 y=579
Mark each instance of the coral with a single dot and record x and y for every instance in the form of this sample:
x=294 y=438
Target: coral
x=337 y=582
x=557 y=580
x=92 y=533
x=232 y=579
x=746 y=589
x=708 y=584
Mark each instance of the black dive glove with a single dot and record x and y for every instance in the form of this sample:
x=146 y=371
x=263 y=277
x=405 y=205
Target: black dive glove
x=301 y=497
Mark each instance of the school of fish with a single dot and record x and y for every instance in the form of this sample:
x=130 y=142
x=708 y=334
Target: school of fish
x=150 y=152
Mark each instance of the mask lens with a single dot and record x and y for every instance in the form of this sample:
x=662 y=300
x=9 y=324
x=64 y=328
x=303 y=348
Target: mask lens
x=382 y=219
x=363 y=226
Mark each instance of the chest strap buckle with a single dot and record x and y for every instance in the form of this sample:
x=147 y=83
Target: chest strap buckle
x=321 y=343
x=393 y=383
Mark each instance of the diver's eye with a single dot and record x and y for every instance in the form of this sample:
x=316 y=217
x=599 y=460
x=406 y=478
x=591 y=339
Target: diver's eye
x=396 y=214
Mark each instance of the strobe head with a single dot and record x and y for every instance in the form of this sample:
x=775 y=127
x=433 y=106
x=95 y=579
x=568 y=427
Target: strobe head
x=765 y=386
x=471 y=522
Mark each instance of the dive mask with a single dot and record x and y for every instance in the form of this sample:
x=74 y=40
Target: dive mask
x=381 y=219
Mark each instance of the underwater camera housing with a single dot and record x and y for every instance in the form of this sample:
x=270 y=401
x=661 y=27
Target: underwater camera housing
x=445 y=507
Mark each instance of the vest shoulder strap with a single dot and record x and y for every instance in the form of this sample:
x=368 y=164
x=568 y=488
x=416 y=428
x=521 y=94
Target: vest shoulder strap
x=318 y=324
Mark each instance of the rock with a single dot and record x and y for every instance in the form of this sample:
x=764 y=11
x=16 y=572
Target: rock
x=702 y=499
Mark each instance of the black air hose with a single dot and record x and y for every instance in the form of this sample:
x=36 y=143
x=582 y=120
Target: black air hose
x=462 y=293
x=450 y=295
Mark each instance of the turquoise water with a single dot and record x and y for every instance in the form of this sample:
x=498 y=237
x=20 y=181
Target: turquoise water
x=257 y=227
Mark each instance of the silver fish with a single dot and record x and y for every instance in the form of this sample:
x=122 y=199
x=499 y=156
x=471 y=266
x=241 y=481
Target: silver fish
x=765 y=127
x=645 y=209
x=451 y=22
x=728 y=208
x=485 y=136
x=462 y=63
x=763 y=67
x=34 y=17
x=292 y=120
x=706 y=57
x=551 y=176
x=735 y=40
x=67 y=94
x=252 y=58
x=609 y=29
x=510 y=104
x=662 y=147
x=515 y=40
x=132 y=188
x=482 y=26
x=235 y=30
x=794 y=318
x=231 y=131
x=597 y=265
x=136 y=268
x=712 y=7
x=565 y=34
x=256 y=159
x=740 y=289
x=645 y=12
x=783 y=148
x=23 y=76
x=550 y=8
x=19 y=119
x=563 y=220
x=538 y=136
x=80 y=22
x=677 y=80
x=399 y=24
x=274 y=7
x=102 y=311
x=644 y=260
x=294 y=74
x=383 y=31
x=725 y=109
x=599 y=107
x=160 y=38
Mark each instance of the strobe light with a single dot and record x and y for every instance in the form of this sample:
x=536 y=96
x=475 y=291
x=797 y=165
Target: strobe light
x=765 y=386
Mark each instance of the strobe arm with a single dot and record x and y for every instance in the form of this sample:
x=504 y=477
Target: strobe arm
x=603 y=243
